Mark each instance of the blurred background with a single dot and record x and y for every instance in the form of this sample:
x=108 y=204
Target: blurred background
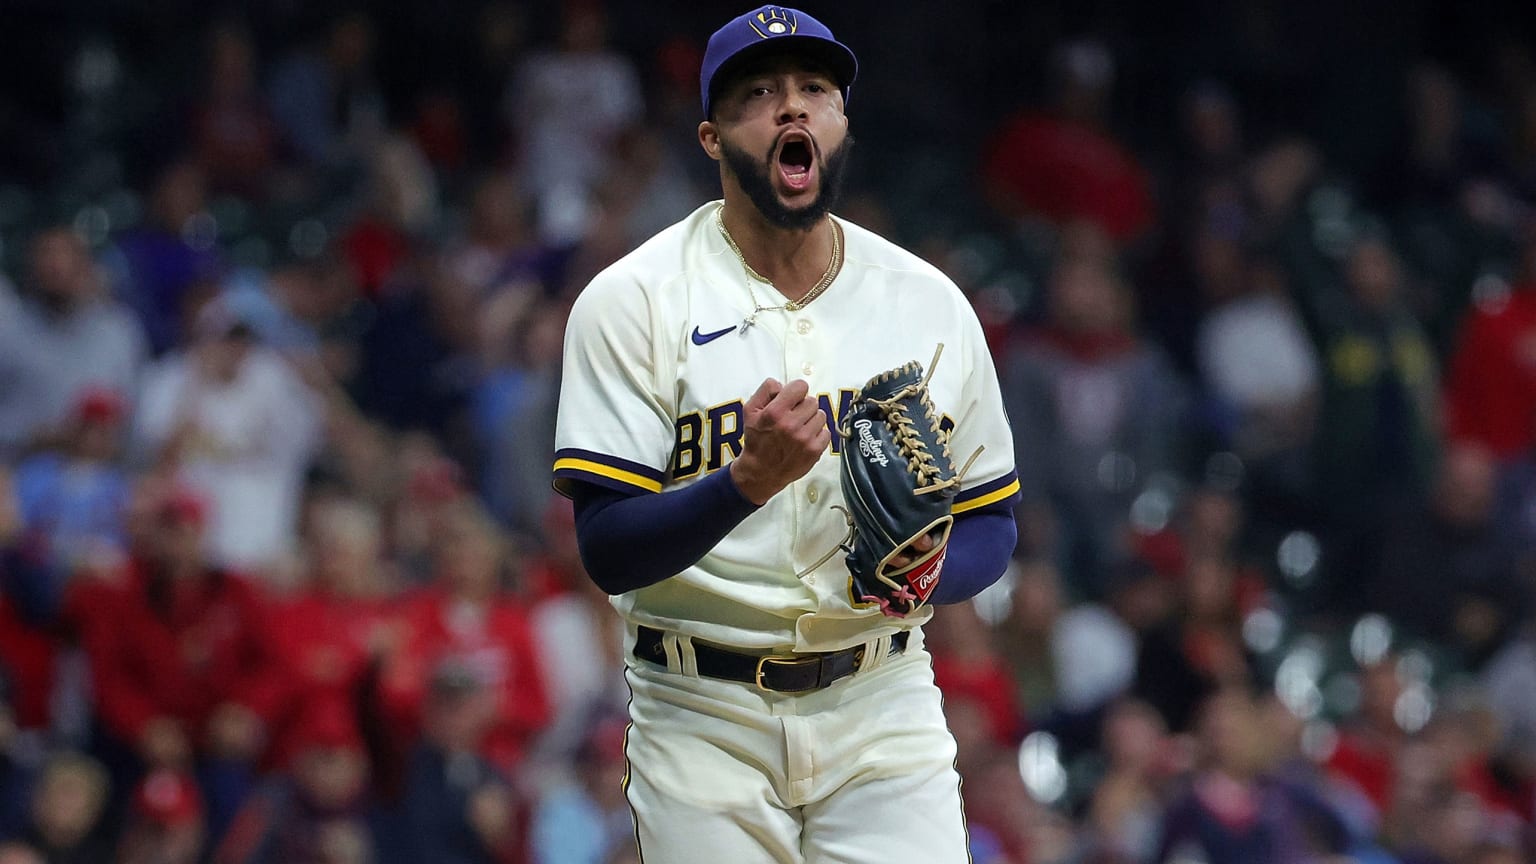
x=282 y=294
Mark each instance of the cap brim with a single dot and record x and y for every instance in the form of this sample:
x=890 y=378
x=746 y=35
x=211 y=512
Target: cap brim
x=837 y=59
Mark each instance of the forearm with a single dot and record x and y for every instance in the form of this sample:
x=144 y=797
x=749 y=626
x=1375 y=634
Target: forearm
x=631 y=541
x=980 y=545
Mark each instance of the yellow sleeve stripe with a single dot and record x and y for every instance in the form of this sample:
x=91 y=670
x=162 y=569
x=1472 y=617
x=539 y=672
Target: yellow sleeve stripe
x=989 y=498
x=587 y=466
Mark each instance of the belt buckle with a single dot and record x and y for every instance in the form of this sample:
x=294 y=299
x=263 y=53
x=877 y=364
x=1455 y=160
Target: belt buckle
x=779 y=661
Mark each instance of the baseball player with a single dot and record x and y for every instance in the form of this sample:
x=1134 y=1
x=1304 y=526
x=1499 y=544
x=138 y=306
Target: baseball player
x=775 y=716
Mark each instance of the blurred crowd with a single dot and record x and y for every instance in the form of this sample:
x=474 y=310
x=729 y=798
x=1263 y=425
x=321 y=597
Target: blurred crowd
x=282 y=578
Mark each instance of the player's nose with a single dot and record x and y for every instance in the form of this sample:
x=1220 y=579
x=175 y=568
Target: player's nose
x=794 y=106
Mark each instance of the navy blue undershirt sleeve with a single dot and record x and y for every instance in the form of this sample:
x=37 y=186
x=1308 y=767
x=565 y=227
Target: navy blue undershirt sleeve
x=631 y=541
x=980 y=545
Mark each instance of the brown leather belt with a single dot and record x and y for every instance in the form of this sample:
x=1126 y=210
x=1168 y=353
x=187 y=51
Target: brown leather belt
x=780 y=673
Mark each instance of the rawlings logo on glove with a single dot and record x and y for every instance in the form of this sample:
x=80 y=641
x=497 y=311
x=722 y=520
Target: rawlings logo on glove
x=869 y=445
x=898 y=483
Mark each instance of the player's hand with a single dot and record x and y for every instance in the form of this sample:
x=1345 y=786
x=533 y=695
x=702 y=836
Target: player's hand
x=914 y=550
x=785 y=434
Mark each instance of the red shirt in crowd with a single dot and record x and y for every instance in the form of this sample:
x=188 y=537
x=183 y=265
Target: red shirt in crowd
x=27 y=656
x=1065 y=171
x=373 y=249
x=178 y=649
x=989 y=683
x=1490 y=393
x=324 y=643
x=496 y=641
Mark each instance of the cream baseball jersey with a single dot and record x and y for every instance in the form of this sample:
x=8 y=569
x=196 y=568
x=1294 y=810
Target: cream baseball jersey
x=659 y=363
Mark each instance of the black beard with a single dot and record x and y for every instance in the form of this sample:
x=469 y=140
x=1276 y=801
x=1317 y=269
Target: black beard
x=755 y=180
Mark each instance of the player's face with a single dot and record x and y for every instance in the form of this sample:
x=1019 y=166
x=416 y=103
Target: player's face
x=780 y=131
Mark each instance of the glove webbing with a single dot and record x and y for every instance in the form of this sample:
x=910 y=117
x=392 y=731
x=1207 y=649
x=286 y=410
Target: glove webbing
x=903 y=427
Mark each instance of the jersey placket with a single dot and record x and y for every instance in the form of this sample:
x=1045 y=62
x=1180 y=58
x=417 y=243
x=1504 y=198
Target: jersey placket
x=803 y=357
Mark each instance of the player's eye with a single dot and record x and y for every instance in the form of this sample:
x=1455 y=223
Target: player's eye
x=760 y=90
x=816 y=87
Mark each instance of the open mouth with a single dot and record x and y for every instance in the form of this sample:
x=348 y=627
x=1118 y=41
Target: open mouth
x=795 y=161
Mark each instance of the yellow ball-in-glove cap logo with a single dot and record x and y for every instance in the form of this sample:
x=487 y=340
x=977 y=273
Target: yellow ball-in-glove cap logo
x=774 y=21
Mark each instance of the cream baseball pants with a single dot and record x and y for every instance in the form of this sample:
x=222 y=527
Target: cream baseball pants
x=861 y=772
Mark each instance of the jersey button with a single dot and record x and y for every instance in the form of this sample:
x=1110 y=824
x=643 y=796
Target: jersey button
x=812 y=495
x=802 y=326
x=808 y=369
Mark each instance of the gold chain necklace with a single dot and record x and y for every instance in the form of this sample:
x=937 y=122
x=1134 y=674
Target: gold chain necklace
x=833 y=268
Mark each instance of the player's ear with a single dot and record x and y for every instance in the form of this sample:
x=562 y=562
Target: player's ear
x=709 y=139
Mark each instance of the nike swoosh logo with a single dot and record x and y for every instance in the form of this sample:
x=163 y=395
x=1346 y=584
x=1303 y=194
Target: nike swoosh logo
x=706 y=338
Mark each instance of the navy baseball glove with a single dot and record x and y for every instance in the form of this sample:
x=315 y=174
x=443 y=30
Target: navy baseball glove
x=898 y=481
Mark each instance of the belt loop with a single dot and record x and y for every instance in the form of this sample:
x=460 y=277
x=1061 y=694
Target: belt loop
x=689 y=657
x=876 y=653
x=674 y=656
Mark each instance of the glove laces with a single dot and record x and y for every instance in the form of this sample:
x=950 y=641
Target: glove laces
x=920 y=460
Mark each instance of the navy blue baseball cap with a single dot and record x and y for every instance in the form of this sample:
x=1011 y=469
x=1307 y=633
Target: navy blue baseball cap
x=772 y=30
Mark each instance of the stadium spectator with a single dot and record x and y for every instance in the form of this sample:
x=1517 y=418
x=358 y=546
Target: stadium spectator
x=1437 y=814
x=186 y=677
x=514 y=408
x=1447 y=573
x=1261 y=370
x=468 y=617
x=1443 y=148
x=1068 y=660
x=1233 y=811
x=232 y=133
x=315 y=812
x=1213 y=151
x=1365 y=757
x=325 y=98
x=166 y=267
x=402 y=206
x=567 y=107
x=1125 y=810
x=1063 y=164
x=586 y=821
x=418 y=354
x=72 y=500
x=499 y=251
x=61 y=335
x=455 y=807
x=1490 y=385
x=339 y=622
x=237 y=424
x=1095 y=410
x=1198 y=651
x=1376 y=446
x=428 y=492
x=646 y=187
